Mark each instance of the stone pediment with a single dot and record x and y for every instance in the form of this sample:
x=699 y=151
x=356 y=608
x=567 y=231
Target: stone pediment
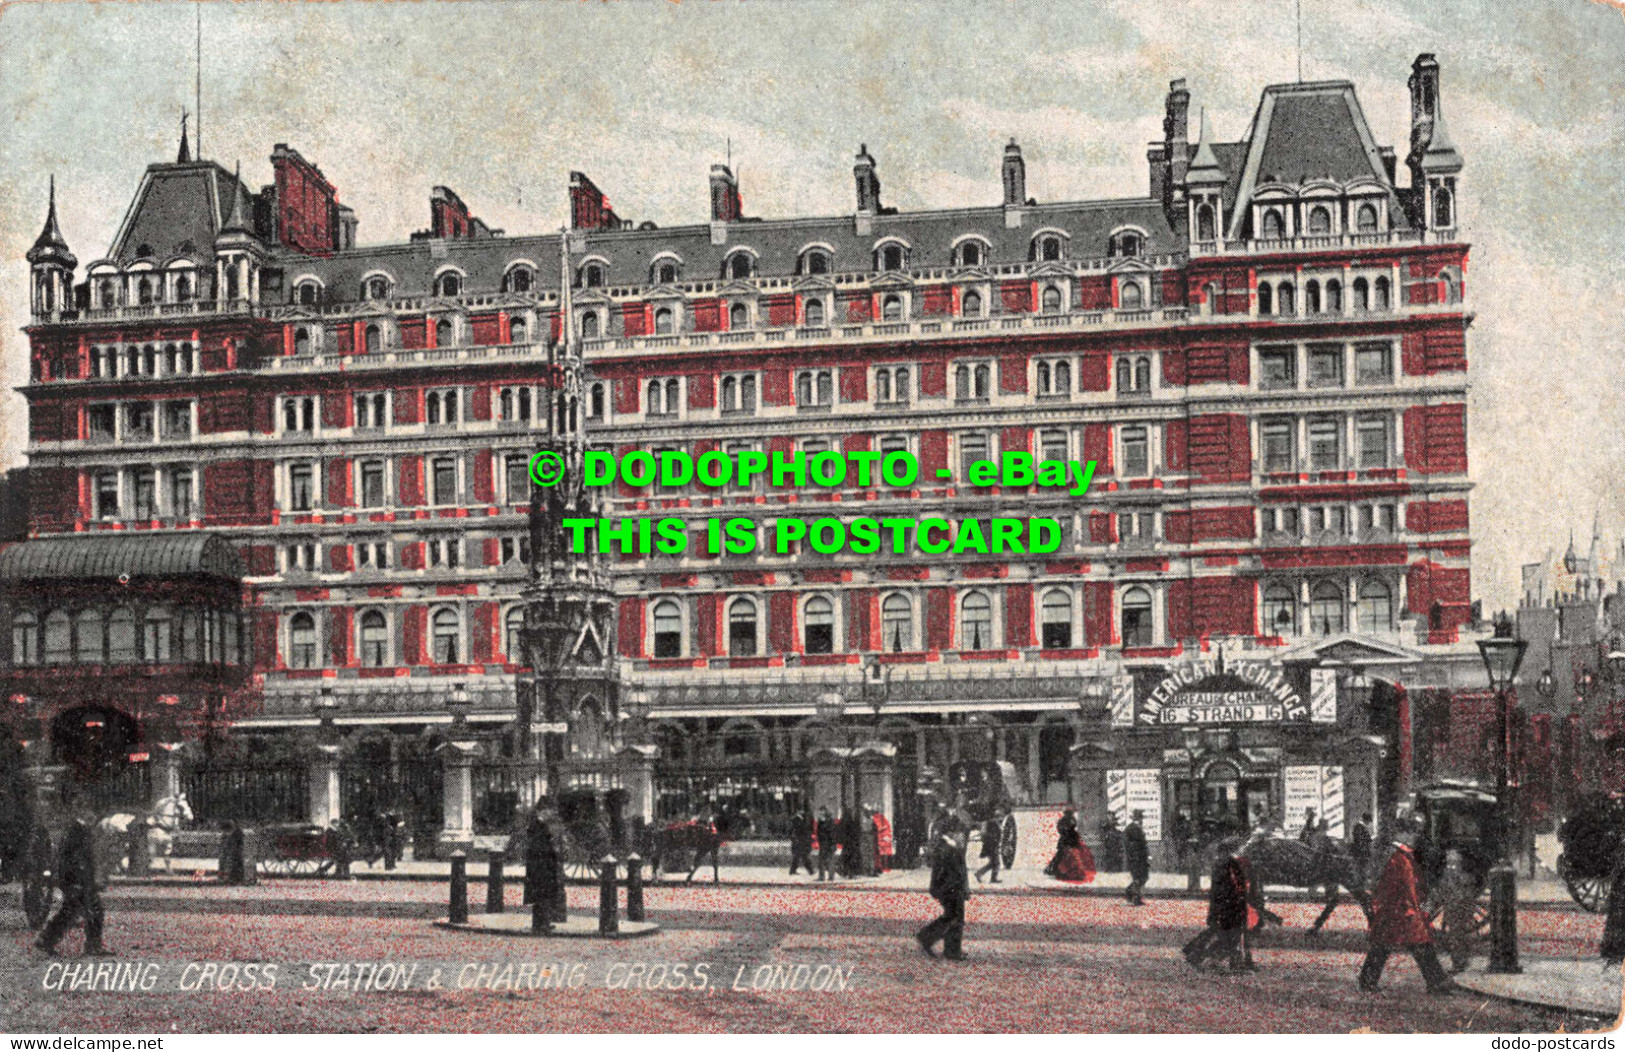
x=1351 y=650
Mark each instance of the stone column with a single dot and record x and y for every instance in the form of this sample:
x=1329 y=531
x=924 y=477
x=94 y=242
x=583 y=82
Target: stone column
x=637 y=775
x=1035 y=770
x=457 y=816
x=325 y=798
x=166 y=774
x=827 y=772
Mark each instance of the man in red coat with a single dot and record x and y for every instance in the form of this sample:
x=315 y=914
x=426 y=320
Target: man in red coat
x=1399 y=921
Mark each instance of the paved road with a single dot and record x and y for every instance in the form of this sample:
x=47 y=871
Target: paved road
x=1039 y=962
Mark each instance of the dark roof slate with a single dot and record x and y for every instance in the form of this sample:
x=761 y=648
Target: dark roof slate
x=155 y=554
x=177 y=204
x=1313 y=136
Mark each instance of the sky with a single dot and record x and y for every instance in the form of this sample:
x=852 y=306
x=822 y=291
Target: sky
x=500 y=101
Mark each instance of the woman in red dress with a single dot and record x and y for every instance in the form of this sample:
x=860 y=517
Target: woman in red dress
x=1073 y=862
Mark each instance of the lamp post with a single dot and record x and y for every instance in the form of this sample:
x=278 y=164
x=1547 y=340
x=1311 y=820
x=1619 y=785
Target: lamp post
x=1502 y=655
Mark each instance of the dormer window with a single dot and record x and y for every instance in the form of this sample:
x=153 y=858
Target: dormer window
x=1205 y=225
x=183 y=289
x=890 y=257
x=143 y=291
x=449 y=284
x=664 y=321
x=1274 y=226
x=592 y=275
x=738 y=266
x=306 y=293
x=971 y=254
x=1366 y=219
x=1443 y=213
x=738 y=316
x=1125 y=243
x=376 y=288
x=815 y=261
x=1046 y=248
x=1320 y=221
x=663 y=272
x=518 y=279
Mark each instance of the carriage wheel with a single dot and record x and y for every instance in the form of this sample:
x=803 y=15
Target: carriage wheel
x=1007 y=841
x=275 y=867
x=1590 y=892
x=305 y=867
x=580 y=869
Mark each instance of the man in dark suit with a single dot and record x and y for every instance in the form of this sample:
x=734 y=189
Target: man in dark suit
x=801 y=839
x=950 y=886
x=828 y=837
x=1136 y=859
x=542 y=872
x=81 y=898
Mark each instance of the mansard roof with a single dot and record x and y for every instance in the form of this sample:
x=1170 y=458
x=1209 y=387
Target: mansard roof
x=177 y=205
x=153 y=554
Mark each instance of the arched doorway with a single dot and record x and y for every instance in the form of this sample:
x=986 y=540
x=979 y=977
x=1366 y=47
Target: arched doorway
x=101 y=747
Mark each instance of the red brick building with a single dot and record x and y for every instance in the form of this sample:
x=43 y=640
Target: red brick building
x=1265 y=355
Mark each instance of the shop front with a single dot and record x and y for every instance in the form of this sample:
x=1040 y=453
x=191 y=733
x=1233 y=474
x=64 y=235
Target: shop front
x=1210 y=749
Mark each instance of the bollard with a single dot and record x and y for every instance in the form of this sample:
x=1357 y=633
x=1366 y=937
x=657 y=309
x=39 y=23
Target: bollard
x=1503 y=920
x=634 y=887
x=493 y=882
x=609 y=917
x=458 y=913
x=250 y=874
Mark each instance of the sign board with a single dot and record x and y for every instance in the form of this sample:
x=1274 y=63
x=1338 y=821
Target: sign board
x=1322 y=695
x=550 y=728
x=1122 y=707
x=1320 y=788
x=1202 y=693
x=1136 y=789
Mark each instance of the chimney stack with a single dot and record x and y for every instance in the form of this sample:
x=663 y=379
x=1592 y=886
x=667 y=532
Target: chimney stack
x=725 y=204
x=868 y=182
x=1176 y=144
x=1015 y=176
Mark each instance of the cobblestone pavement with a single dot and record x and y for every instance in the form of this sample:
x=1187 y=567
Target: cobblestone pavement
x=1038 y=962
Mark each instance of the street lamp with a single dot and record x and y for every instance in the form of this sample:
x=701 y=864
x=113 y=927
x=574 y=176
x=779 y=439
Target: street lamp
x=459 y=704
x=1502 y=655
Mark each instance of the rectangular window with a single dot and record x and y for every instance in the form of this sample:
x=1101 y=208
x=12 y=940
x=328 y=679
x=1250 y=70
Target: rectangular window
x=371 y=410
x=372 y=484
x=144 y=493
x=107 y=495
x=444 y=470
x=1136 y=453
x=1276 y=443
x=515 y=550
x=177 y=420
x=1373 y=441
x=1288 y=521
x=1326 y=366
x=1052 y=445
x=516 y=470
x=138 y=422
x=815 y=388
x=301 y=487
x=1277 y=368
x=972 y=447
x=734 y=449
x=300 y=556
x=1388 y=517
x=299 y=415
x=374 y=554
x=1373 y=364
x=893 y=444
x=100 y=422
x=1325 y=445
x=180 y=493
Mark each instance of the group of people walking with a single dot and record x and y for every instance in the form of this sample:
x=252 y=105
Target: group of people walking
x=854 y=845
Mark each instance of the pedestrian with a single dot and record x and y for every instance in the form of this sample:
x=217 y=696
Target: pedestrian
x=394 y=839
x=1399 y=921
x=1230 y=912
x=1111 y=845
x=828 y=840
x=1457 y=892
x=1179 y=831
x=1360 y=848
x=81 y=896
x=1612 y=949
x=340 y=847
x=885 y=848
x=1307 y=833
x=801 y=843
x=232 y=845
x=1136 y=858
x=1066 y=836
x=542 y=869
x=991 y=831
x=868 y=843
x=849 y=844
x=950 y=886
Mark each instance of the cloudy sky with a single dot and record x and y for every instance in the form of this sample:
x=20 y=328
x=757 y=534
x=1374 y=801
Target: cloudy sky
x=501 y=100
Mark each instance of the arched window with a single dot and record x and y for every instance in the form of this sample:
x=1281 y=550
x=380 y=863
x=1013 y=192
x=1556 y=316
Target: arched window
x=1286 y=298
x=1334 y=296
x=1063 y=377
x=1443 y=212
x=447 y=637
x=143 y=291
x=1137 y=628
x=883 y=385
x=375 y=340
x=1046 y=249
x=976 y=622
x=25 y=639
x=656 y=398
x=1311 y=297
x=730 y=394
x=970 y=254
x=1379 y=295
x=1274 y=225
x=302 y=641
x=301 y=341
x=1320 y=220
x=88 y=633
x=742 y=628
x=897 y=623
x=592 y=275
x=891 y=257
x=589 y=326
x=1125 y=374
x=58 y=638
x=819 y=634
x=665 y=272
x=374 y=639
x=668 y=629
x=1452 y=287
x=1043 y=378
x=891 y=308
x=307 y=293
x=970 y=305
x=739 y=316
x=1126 y=243
x=1142 y=374
x=1280 y=611
x=814 y=314
x=1205 y=227
x=121 y=637
x=513 y=636
x=443 y=333
x=448 y=284
x=1326 y=609
x=1052 y=299
x=1362 y=295
x=1056 y=618
x=1130 y=296
x=673 y=394
x=377 y=288
x=663 y=321
x=183 y=289
x=738 y=266
x=516 y=330
x=982 y=374
x=1365 y=220
x=814 y=261
x=1376 y=607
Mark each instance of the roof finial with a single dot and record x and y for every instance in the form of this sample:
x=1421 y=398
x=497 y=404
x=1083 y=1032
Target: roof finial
x=184 y=156
x=50 y=243
x=237 y=223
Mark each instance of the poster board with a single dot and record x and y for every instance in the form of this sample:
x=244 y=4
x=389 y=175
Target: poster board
x=1136 y=789
x=1318 y=787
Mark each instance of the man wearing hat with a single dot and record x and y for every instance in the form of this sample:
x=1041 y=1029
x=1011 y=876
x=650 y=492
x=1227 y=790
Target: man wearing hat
x=950 y=886
x=1136 y=859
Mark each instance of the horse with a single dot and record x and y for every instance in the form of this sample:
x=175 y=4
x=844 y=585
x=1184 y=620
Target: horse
x=1321 y=863
x=129 y=841
x=701 y=835
x=165 y=818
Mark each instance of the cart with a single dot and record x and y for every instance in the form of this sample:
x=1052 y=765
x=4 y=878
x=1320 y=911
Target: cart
x=1592 y=837
x=1461 y=817
x=296 y=850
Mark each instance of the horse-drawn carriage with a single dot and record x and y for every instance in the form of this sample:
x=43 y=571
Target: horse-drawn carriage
x=296 y=849
x=1592 y=837
x=1460 y=817
x=984 y=791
